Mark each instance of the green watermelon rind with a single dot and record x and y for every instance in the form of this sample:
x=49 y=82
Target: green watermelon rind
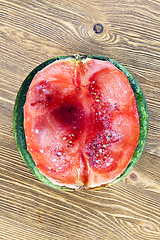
x=18 y=119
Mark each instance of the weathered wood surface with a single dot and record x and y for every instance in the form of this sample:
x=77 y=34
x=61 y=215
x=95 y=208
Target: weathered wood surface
x=34 y=31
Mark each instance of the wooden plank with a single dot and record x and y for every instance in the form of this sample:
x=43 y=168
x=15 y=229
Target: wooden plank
x=34 y=31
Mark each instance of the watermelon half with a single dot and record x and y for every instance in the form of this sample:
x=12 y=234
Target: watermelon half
x=80 y=122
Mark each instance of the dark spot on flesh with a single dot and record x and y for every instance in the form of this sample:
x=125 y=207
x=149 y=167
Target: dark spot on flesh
x=72 y=110
x=70 y=114
x=43 y=96
x=46 y=100
x=37 y=102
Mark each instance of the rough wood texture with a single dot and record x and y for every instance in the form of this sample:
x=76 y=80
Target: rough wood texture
x=34 y=31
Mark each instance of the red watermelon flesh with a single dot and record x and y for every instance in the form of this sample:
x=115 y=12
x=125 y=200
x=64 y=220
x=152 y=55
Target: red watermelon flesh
x=81 y=122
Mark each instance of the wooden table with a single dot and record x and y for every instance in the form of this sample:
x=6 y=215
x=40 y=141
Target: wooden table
x=36 y=30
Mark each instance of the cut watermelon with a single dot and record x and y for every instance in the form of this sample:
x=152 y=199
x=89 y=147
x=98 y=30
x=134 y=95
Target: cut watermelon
x=80 y=122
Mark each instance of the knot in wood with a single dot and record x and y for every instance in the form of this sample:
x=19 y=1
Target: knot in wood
x=98 y=28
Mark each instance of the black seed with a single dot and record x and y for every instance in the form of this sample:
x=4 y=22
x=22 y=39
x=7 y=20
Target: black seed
x=109 y=136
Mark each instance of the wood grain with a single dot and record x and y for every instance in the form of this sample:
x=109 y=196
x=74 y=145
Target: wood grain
x=36 y=30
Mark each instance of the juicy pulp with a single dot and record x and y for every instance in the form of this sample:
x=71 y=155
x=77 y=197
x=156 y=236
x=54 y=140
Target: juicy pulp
x=81 y=122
